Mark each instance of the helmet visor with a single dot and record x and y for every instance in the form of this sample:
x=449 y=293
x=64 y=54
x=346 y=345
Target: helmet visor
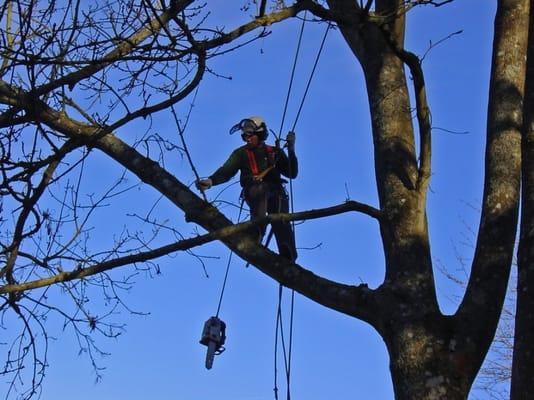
x=246 y=126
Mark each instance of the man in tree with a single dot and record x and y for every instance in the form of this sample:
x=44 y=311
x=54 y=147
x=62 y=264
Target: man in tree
x=261 y=167
x=55 y=68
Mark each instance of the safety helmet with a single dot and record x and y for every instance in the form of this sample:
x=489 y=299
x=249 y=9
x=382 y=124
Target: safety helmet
x=251 y=126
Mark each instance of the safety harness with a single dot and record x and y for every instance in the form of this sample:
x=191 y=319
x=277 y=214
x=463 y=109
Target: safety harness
x=254 y=165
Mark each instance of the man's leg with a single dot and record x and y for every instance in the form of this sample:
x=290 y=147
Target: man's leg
x=283 y=232
x=256 y=198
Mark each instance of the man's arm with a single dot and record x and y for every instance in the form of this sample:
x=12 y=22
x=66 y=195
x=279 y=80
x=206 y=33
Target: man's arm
x=228 y=169
x=288 y=165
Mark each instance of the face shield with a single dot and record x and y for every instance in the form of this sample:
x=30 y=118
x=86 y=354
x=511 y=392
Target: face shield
x=247 y=127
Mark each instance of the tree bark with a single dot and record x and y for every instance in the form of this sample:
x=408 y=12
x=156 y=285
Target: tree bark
x=433 y=356
x=523 y=355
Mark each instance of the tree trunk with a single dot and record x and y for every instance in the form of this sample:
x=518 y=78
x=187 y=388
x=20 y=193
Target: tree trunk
x=433 y=356
x=424 y=364
x=523 y=356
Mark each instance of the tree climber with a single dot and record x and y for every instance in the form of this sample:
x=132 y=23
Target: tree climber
x=263 y=188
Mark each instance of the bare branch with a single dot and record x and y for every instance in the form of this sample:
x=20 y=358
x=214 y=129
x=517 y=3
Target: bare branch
x=423 y=110
x=122 y=49
x=186 y=244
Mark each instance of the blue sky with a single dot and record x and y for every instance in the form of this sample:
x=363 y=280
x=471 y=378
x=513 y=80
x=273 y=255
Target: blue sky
x=334 y=356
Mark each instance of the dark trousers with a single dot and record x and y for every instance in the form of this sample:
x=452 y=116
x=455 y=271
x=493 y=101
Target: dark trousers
x=267 y=198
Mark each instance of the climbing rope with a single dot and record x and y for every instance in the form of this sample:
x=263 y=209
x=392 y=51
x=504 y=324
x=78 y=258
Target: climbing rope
x=228 y=266
x=214 y=331
x=312 y=73
x=279 y=322
x=293 y=69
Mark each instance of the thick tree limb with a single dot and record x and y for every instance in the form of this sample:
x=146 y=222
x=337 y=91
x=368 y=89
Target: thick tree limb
x=348 y=299
x=479 y=311
x=9 y=37
x=422 y=109
x=523 y=348
x=344 y=298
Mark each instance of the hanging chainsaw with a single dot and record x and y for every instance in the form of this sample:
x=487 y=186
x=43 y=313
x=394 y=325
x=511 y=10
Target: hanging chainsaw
x=213 y=336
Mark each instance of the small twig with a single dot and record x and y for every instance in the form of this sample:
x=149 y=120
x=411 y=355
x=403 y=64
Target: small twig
x=437 y=128
x=432 y=45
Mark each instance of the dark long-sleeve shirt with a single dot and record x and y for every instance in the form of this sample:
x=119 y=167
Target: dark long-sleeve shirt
x=285 y=165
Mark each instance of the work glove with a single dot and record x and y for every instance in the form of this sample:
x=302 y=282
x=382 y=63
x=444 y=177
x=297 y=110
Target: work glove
x=204 y=184
x=290 y=140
